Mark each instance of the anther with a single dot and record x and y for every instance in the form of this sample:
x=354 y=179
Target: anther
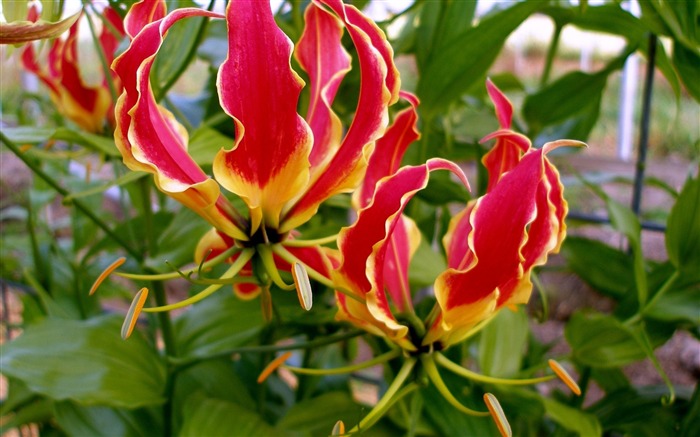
x=565 y=377
x=132 y=315
x=303 y=286
x=274 y=365
x=338 y=428
x=112 y=267
x=498 y=415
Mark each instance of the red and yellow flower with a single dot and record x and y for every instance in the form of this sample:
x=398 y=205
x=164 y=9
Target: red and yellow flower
x=282 y=165
x=90 y=107
x=492 y=245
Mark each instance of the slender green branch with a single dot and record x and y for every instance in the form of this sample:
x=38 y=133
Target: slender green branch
x=551 y=52
x=347 y=369
x=36 y=169
x=387 y=400
x=316 y=343
x=466 y=373
x=432 y=372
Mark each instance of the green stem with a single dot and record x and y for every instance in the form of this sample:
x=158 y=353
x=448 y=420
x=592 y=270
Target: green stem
x=466 y=373
x=386 y=401
x=63 y=192
x=659 y=294
x=316 y=343
x=551 y=52
x=432 y=372
x=347 y=369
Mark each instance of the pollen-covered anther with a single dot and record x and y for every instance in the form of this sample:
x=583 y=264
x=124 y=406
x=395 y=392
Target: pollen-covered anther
x=274 y=365
x=338 y=428
x=498 y=415
x=112 y=267
x=565 y=377
x=303 y=286
x=132 y=315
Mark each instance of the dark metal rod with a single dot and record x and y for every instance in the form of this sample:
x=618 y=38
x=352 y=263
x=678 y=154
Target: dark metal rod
x=583 y=217
x=644 y=127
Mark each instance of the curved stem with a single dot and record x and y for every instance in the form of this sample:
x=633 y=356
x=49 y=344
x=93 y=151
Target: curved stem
x=223 y=256
x=386 y=401
x=268 y=261
x=63 y=192
x=347 y=369
x=551 y=52
x=466 y=373
x=291 y=259
x=236 y=267
x=315 y=343
x=311 y=243
x=432 y=372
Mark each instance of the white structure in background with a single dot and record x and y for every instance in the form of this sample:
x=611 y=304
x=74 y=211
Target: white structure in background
x=628 y=97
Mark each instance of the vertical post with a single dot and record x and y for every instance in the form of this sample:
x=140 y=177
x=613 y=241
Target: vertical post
x=628 y=93
x=644 y=127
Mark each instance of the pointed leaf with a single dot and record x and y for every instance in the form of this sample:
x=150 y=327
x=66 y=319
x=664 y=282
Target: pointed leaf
x=95 y=367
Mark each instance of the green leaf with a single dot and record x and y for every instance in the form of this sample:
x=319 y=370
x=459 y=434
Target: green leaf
x=96 y=421
x=96 y=143
x=440 y=23
x=467 y=57
x=124 y=179
x=677 y=306
x=425 y=266
x=317 y=415
x=573 y=101
x=37 y=411
x=687 y=64
x=604 y=268
x=624 y=220
x=205 y=143
x=442 y=189
x=584 y=424
x=177 y=243
x=601 y=341
x=683 y=229
x=502 y=344
x=218 y=324
x=86 y=361
x=215 y=417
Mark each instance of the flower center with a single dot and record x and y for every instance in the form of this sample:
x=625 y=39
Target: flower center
x=264 y=236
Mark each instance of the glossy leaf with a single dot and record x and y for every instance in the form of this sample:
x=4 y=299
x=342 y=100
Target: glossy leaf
x=683 y=229
x=604 y=268
x=317 y=415
x=217 y=324
x=440 y=23
x=585 y=424
x=687 y=64
x=468 y=57
x=214 y=417
x=503 y=342
x=601 y=341
x=75 y=419
x=95 y=367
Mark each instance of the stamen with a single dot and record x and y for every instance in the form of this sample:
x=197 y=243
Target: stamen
x=268 y=260
x=112 y=267
x=25 y=147
x=303 y=286
x=432 y=372
x=498 y=416
x=311 y=243
x=565 y=377
x=178 y=274
x=338 y=428
x=347 y=369
x=277 y=362
x=466 y=373
x=132 y=315
x=232 y=271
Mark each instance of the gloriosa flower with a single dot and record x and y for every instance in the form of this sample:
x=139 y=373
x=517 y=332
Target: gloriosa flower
x=283 y=166
x=90 y=107
x=492 y=245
